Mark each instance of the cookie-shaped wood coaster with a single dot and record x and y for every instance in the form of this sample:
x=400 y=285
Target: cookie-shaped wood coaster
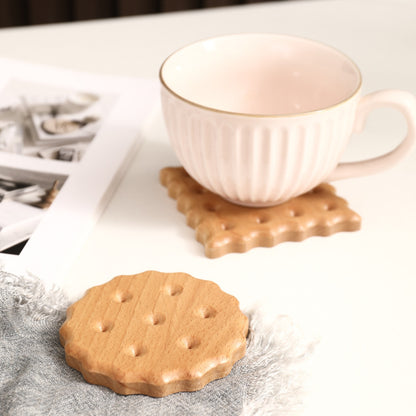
x=223 y=227
x=154 y=333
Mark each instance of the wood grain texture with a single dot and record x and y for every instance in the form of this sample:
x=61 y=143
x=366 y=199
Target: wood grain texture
x=223 y=227
x=154 y=333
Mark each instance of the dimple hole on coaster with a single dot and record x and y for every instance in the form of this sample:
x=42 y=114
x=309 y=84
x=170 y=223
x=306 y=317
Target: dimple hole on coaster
x=262 y=219
x=206 y=312
x=103 y=326
x=155 y=319
x=295 y=213
x=330 y=207
x=189 y=343
x=122 y=297
x=211 y=208
x=226 y=226
x=136 y=350
x=173 y=290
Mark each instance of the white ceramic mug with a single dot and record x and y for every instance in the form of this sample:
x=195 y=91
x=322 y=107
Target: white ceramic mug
x=262 y=118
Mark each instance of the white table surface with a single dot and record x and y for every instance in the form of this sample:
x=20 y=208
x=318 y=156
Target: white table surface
x=356 y=292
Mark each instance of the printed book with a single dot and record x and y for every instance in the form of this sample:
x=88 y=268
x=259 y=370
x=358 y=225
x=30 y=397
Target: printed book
x=66 y=138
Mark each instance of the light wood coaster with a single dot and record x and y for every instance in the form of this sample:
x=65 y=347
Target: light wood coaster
x=154 y=333
x=223 y=227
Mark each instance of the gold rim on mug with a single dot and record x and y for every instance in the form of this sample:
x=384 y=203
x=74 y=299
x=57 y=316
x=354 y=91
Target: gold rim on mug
x=217 y=110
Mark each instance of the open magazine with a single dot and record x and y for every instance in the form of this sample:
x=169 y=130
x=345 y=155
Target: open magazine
x=65 y=140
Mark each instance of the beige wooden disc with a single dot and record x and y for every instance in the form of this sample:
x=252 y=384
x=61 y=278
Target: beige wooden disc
x=154 y=333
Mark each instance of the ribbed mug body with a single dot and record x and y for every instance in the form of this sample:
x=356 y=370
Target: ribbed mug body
x=258 y=160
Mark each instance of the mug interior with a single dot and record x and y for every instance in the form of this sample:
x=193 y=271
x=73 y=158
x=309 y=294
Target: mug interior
x=261 y=74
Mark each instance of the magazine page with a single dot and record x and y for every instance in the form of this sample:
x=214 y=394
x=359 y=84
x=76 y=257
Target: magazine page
x=65 y=140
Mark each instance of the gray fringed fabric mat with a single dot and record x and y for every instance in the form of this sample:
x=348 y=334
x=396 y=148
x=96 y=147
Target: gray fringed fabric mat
x=35 y=380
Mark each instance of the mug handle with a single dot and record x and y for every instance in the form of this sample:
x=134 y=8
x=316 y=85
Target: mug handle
x=405 y=102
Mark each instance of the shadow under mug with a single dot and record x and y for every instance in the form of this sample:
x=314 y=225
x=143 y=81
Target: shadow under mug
x=262 y=118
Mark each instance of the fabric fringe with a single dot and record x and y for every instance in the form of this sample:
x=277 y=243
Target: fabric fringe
x=276 y=353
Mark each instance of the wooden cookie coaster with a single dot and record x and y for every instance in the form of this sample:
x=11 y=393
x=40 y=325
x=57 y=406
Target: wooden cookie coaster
x=154 y=333
x=223 y=227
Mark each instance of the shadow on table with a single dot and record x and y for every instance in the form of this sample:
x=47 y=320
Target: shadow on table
x=141 y=201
